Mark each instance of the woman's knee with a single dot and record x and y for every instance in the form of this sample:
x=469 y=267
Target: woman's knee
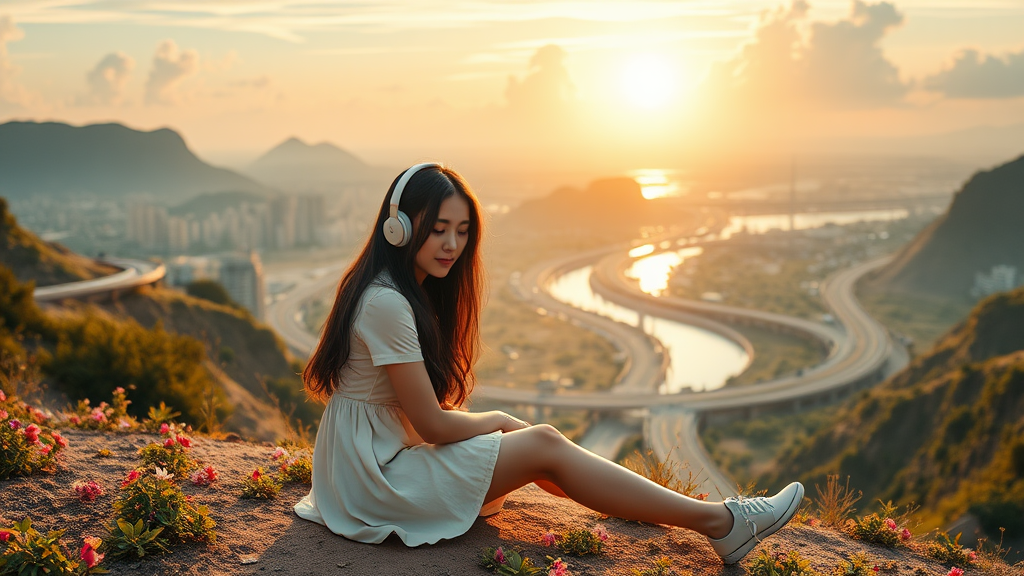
x=549 y=443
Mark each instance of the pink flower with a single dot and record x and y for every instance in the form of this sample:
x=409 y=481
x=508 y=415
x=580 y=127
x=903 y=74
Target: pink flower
x=3 y=397
x=46 y=450
x=813 y=522
x=169 y=443
x=185 y=442
x=499 y=555
x=118 y=390
x=548 y=539
x=32 y=433
x=60 y=440
x=98 y=415
x=601 y=532
x=122 y=423
x=3 y=414
x=280 y=453
x=558 y=568
x=4 y=535
x=132 y=477
x=89 y=556
x=890 y=524
x=204 y=477
x=88 y=491
x=905 y=535
x=14 y=424
x=972 y=556
x=256 y=474
x=955 y=572
x=74 y=419
x=875 y=568
x=164 y=428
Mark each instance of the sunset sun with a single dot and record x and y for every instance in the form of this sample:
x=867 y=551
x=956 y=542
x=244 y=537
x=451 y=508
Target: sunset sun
x=649 y=81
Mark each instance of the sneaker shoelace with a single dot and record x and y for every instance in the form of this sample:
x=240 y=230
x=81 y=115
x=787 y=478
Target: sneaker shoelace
x=748 y=506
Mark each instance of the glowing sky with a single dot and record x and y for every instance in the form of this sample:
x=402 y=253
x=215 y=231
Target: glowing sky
x=406 y=79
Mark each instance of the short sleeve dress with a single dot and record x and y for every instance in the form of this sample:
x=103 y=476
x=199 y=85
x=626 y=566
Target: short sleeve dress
x=372 y=474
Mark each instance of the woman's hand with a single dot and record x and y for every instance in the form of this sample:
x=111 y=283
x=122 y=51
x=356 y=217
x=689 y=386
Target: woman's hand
x=511 y=423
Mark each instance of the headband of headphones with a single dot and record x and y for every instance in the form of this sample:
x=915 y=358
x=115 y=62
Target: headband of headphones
x=396 y=197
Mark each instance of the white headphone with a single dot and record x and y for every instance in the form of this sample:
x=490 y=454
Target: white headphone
x=398 y=227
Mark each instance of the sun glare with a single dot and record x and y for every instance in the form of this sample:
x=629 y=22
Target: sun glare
x=649 y=81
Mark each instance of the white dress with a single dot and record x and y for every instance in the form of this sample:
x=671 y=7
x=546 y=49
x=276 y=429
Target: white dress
x=372 y=474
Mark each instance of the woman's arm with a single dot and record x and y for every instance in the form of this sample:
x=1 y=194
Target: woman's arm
x=436 y=426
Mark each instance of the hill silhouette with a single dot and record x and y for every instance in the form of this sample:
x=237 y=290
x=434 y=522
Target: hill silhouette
x=981 y=229
x=106 y=160
x=296 y=166
x=946 y=433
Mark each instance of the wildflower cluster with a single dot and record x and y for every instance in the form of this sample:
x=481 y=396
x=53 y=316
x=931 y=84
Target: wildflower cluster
x=87 y=491
x=949 y=551
x=294 y=467
x=260 y=485
x=780 y=564
x=856 y=565
x=881 y=528
x=203 y=476
x=513 y=563
x=171 y=454
x=578 y=541
x=25 y=447
x=156 y=501
x=108 y=417
x=24 y=550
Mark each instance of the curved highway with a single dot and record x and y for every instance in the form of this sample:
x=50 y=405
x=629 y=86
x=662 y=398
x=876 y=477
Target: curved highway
x=134 y=273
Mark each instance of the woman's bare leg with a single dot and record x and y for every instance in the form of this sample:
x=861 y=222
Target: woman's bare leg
x=541 y=453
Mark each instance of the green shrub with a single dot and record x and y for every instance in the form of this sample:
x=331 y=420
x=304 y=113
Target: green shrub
x=580 y=541
x=508 y=562
x=25 y=447
x=856 y=565
x=127 y=539
x=660 y=568
x=880 y=528
x=665 y=473
x=949 y=551
x=159 y=503
x=172 y=455
x=260 y=485
x=297 y=469
x=778 y=564
x=27 y=552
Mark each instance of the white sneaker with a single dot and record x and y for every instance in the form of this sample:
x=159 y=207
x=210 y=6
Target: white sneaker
x=755 y=519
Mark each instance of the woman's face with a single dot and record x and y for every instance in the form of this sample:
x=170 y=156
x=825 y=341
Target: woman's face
x=446 y=241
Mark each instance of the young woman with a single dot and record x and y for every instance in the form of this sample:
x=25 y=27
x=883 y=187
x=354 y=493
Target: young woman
x=396 y=454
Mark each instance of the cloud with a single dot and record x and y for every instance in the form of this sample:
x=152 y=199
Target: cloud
x=546 y=88
x=835 y=64
x=11 y=92
x=107 y=80
x=974 y=75
x=170 y=67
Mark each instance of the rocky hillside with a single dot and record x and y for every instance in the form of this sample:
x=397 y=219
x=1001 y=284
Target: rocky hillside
x=106 y=160
x=265 y=536
x=982 y=228
x=194 y=343
x=946 y=433
x=43 y=263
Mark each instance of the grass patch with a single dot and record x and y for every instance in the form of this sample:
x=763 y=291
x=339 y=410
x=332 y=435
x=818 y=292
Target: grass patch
x=775 y=355
x=923 y=318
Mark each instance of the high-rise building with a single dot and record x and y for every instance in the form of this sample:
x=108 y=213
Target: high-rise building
x=147 y=226
x=242 y=277
x=1000 y=279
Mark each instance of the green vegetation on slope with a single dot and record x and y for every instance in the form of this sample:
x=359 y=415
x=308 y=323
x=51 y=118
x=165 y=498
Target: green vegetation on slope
x=922 y=317
x=944 y=433
x=775 y=355
x=44 y=263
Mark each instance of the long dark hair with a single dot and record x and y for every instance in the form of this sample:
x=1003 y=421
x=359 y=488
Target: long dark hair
x=447 y=310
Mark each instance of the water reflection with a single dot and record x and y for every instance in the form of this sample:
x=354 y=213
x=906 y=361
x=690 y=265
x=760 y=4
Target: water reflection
x=698 y=359
x=653 y=272
x=805 y=220
x=657 y=183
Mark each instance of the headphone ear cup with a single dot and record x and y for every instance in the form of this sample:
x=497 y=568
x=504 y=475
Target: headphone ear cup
x=398 y=230
x=406 y=228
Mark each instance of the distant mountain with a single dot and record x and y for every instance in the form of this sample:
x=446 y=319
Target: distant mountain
x=983 y=227
x=108 y=160
x=946 y=433
x=296 y=166
x=604 y=204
